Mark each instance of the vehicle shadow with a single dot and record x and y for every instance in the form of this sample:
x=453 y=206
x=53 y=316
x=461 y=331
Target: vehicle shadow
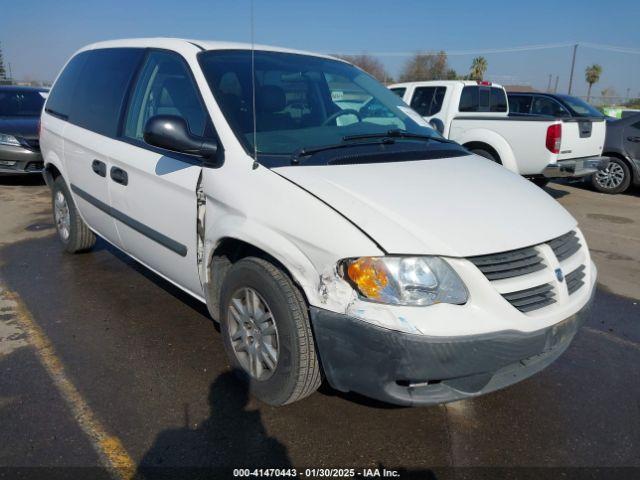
x=30 y=180
x=231 y=437
x=554 y=192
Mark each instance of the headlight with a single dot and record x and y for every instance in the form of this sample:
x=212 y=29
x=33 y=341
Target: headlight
x=405 y=280
x=8 y=140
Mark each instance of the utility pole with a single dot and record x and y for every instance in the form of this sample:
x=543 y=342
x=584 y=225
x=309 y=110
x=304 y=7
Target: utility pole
x=573 y=64
x=549 y=84
x=555 y=89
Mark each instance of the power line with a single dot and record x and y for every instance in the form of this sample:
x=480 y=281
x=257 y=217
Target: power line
x=525 y=48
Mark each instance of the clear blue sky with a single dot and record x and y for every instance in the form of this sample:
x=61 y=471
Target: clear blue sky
x=38 y=36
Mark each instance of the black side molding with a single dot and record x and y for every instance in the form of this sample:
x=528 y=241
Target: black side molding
x=148 y=232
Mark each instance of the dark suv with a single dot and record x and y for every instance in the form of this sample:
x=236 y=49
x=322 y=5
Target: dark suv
x=20 y=109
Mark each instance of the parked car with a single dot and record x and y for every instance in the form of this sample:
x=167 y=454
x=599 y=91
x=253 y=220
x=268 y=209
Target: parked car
x=20 y=109
x=622 y=146
x=555 y=105
x=477 y=115
x=365 y=252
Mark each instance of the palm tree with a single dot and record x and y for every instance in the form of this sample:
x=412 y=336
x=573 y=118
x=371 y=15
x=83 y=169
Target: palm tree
x=592 y=75
x=478 y=68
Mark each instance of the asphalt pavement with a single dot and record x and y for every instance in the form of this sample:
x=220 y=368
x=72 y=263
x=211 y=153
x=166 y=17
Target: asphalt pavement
x=106 y=370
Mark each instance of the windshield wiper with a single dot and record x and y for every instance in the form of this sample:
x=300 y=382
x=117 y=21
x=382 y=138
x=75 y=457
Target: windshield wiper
x=396 y=134
x=306 y=151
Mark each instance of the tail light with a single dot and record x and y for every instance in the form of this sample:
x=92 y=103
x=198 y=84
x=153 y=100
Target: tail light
x=484 y=83
x=554 y=138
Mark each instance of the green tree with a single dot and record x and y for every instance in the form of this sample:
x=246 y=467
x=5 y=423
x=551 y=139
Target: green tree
x=427 y=66
x=478 y=68
x=591 y=76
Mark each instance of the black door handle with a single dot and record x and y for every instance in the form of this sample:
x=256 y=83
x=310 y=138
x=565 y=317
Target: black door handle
x=119 y=176
x=634 y=139
x=99 y=167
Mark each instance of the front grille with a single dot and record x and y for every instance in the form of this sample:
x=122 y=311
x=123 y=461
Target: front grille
x=531 y=298
x=575 y=279
x=509 y=264
x=565 y=246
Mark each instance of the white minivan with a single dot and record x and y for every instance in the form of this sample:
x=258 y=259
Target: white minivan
x=330 y=232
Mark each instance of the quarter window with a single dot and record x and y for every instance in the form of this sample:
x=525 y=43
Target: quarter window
x=59 y=99
x=427 y=101
x=101 y=88
x=165 y=87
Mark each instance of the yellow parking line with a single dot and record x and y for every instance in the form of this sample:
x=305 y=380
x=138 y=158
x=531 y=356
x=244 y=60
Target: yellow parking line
x=108 y=447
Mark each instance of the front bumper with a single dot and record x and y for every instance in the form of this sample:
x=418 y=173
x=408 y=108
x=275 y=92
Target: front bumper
x=19 y=160
x=576 y=167
x=408 y=369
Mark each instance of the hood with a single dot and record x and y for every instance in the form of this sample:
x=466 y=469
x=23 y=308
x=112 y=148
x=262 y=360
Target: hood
x=455 y=207
x=24 y=127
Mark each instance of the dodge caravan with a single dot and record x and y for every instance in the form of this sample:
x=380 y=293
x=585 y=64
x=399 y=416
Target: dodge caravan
x=329 y=230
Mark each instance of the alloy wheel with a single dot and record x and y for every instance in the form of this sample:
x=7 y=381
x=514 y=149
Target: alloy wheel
x=610 y=178
x=253 y=333
x=61 y=215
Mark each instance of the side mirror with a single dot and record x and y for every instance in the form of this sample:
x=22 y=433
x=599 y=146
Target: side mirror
x=437 y=125
x=172 y=133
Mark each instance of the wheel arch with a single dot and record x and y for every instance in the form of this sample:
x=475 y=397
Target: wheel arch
x=635 y=170
x=231 y=247
x=483 y=146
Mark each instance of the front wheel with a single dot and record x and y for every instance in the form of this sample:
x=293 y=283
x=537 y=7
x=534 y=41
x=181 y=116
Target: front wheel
x=72 y=231
x=266 y=332
x=616 y=178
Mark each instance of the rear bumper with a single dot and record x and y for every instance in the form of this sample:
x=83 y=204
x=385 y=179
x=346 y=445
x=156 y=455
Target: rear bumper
x=19 y=160
x=408 y=369
x=578 y=167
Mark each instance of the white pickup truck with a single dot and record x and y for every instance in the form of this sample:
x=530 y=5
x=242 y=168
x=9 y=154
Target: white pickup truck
x=476 y=115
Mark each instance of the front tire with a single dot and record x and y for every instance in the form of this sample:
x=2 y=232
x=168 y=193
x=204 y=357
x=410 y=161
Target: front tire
x=266 y=332
x=616 y=178
x=72 y=231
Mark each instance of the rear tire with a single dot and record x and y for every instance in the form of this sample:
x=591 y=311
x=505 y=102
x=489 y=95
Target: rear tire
x=72 y=231
x=616 y=178
x=486 y=154
x=263 y=313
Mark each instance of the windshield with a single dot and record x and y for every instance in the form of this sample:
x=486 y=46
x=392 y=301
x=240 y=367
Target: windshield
x=21 y=103
x=580 y=108
x=302 y=101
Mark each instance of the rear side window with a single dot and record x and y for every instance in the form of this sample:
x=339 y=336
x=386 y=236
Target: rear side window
x=427 y=101
x=399 y=91
x=520 y=103
x=101 y=88
x=59 y=100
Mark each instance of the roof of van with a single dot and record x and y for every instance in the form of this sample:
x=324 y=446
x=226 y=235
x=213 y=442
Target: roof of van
x=439 y=83
x=178 y=43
